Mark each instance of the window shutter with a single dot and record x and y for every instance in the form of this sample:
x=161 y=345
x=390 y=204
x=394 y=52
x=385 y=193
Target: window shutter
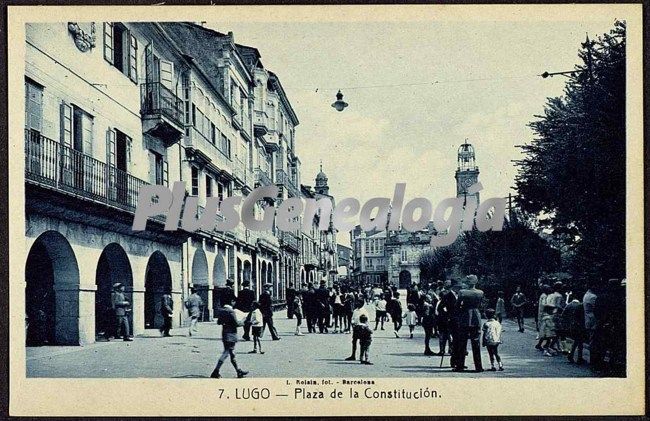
x=133 y=59
x=129 y=147
x=108 y=42
x=165 y=173
x=87 y=134
x=166 y=69
x=66 y=124
x=110 y=147
x=33 y=107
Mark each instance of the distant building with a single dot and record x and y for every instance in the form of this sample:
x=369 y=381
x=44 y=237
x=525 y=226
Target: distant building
x=368 y=255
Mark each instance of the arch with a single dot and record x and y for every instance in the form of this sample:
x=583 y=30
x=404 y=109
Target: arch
x=200 y=280
x=219 y=271
x=52 y=292
x=158 y=279
x=113 y=266
x=404 y=279
x=246 y=274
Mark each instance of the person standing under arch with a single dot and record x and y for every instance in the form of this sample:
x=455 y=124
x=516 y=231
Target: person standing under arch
x=167 y=311
x=120 y=307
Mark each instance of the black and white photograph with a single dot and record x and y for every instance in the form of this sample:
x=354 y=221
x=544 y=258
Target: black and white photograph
x=336 y=201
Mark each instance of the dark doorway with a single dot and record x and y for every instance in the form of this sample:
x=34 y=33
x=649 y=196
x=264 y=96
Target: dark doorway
x=39 y=297
x=404 y=279
x=158 y=279
x=113 y=267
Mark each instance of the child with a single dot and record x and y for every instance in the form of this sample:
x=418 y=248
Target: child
x=365 y=339
x=411 y=318
x=547 y=330
x=359 y=312
x=256 y=327
x=380 y=312
x=297 y=311
x=492 y=338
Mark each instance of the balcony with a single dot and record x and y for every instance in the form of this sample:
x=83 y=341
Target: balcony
x=202 y=149
x=310 y=260
x=239 y=171
x=162 y=112
x=50 y=164
x=281 y=179
x=262 y=178
x=260 y=124
x=289 y=240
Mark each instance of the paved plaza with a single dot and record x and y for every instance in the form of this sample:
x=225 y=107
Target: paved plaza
x=312 y=355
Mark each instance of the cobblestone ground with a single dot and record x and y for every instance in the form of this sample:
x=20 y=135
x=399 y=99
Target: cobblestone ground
x=313 y=355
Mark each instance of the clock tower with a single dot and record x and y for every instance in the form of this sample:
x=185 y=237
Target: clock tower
x=466 y=172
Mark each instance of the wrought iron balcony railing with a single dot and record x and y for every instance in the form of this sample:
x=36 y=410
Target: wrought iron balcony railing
x=47 y=162
x=157 y=99
x=290 y=240
x=196 y=140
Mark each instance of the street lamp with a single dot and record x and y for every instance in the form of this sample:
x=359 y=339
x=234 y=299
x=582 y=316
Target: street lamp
x=339 y=104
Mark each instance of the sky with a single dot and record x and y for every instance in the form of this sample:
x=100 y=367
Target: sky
x=487 y=91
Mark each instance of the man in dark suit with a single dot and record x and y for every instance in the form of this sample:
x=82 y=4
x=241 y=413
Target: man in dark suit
x=120 y=306
x=266 y=307
x=469 y=321
x=244 y=303
x=291 y=294
x=227 y=294
x=309 y=307
x=446 y=309
x=167 y=312
x=323 y=306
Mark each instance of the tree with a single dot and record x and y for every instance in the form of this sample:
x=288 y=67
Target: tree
x=573 y=171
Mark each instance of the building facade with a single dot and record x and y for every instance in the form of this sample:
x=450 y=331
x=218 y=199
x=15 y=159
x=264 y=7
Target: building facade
x=113 y=106
x=368 y=256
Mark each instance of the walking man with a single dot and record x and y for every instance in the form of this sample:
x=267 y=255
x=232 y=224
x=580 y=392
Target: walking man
x=323 y=307
x=518 y=301
x=266 y=307
x=194 y=304
x=167 y=311
x=228 y=320
x=245 y=304
x=469 y=319
x=120 y=308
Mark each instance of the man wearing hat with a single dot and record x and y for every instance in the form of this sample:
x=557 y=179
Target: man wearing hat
x=469 y=323
x=266 y=307
x=228 y=293
x=167 y=311
x=323 y=306
x=446 y=307
x=290 y=294
x=120 y=308
x=244 y=303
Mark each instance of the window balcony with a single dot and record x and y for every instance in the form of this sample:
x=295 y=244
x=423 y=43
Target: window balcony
x=162 y=112
x=260 y=123
x=262 y=178
x=289 y=240
x=282 y=179
x=53 y=165
x=202 y=149
x=239 y=171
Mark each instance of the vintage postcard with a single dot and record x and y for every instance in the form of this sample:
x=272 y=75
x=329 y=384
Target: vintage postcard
x=326 y=210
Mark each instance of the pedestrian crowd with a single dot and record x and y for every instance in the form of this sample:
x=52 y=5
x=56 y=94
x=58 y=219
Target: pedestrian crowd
x=454 y=312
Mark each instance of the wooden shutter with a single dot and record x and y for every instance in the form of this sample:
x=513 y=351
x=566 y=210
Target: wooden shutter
x=108 y=42
x=166 y=75
x=148 y=63
x=87 y=133
x=111 y=174
x=66 y=124
x=165 y=172
x=133 y=59
x=33 y=107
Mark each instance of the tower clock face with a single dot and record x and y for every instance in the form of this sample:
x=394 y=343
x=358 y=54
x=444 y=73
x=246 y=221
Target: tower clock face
x=468 y=182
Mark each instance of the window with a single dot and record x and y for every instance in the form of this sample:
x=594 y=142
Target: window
x=83 y=131
x=195 y=181
x=404 y=255
x=161 y=169
x=208 y=186
x=225 y=145
x=33 y=106
x=220 y=191
x=213 y=134
x=121 y=49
